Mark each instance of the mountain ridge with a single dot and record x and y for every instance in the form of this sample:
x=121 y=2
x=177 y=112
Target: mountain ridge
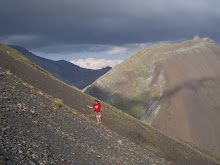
x=64 y=70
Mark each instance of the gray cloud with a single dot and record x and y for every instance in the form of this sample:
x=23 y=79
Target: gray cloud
x=42 y=23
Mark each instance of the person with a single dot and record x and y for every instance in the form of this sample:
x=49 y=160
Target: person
x=98 y=110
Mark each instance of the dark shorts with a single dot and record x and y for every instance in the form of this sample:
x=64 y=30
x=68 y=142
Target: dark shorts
x=97 y=113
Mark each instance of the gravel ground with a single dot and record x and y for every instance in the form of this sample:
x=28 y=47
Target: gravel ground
x=34 y=132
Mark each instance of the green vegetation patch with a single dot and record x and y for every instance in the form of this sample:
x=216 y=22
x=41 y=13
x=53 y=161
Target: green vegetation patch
x=2 y=159
x=71 y=112
x=136 y=106
x=57 y=103
x=152 y=148
x=14 y=53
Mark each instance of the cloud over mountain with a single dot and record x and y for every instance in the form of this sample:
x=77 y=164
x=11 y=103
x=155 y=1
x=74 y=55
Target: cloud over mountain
x=92 y=63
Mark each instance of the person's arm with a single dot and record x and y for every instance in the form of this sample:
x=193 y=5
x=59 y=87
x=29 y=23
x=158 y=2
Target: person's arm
x=90 y=106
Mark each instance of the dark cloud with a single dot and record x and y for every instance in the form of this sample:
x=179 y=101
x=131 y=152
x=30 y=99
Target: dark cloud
x=74 y=48
x=36 y=24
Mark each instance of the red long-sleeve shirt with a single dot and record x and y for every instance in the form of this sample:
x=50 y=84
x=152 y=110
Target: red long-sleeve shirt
x=97 y=107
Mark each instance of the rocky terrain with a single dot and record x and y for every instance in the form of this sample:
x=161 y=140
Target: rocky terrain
x=48 y=87
x=35 y=130
x=173 y=87
x=64 y=70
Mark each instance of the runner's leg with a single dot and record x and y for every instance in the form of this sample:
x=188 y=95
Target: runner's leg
x=97 y=118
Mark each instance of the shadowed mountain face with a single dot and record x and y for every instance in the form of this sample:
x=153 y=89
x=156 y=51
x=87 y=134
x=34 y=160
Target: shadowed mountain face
x=65 y=71
x=174 y=87
x=32 y=76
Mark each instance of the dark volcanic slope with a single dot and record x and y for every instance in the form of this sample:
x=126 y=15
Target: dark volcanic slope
x=149 y=138
x=39 y=133
x=65 y=71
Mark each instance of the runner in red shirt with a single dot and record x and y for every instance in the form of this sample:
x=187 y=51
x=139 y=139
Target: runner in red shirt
x=98 y=110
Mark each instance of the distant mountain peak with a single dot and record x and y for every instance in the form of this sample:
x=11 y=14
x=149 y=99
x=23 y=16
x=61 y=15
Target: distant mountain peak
x=64 y=70
x=19 y=48
x=204 y=39
x=196 y=37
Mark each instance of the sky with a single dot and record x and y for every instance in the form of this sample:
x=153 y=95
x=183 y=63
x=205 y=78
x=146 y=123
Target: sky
x=99 y=33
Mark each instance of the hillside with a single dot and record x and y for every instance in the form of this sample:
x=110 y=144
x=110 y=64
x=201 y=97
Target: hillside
x=35 y=130
x=173 y=87
x=63 y=70
x=174 y=150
